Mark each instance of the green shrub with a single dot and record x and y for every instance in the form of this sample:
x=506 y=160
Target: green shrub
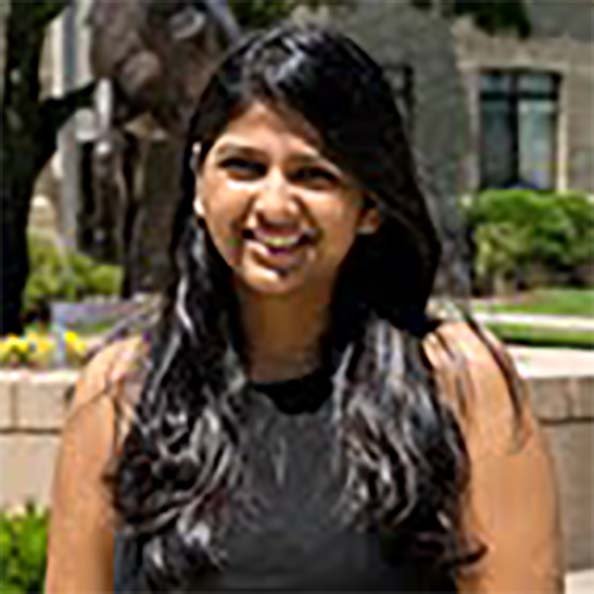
x=64 y=275
x=580 y=211
x=523 y=238
x=23 y=542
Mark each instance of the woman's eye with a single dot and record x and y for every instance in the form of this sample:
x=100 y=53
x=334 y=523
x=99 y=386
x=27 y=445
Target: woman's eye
x=315 y=175
x=243 y=167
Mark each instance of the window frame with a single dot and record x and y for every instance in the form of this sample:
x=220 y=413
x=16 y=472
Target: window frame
x=513 y=98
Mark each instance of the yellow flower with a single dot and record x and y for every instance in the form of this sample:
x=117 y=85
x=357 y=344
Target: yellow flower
x=45 y=344
x=75 y=346
x=38 y=349
x=15 y=350
x=43 y=347
x=4 y=350
x=23 y=346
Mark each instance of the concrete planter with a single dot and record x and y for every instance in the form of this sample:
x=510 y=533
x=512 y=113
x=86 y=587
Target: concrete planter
x=565 y=407
x=32 y=409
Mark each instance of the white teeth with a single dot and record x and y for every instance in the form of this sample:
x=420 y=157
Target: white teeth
x=281 y=242
x=275 y=241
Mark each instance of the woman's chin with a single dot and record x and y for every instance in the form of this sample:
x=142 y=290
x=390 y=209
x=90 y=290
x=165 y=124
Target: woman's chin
x=272 y=281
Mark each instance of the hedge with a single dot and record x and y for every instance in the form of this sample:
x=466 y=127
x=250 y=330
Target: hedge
x=57 y=274
x=23 y=543
x=522 y=239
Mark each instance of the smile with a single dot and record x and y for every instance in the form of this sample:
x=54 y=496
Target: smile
x=279 y=241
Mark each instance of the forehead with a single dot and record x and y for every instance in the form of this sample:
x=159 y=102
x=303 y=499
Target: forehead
x=265 y=119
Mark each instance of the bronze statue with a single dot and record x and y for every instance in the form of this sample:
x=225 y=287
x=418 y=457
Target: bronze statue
x=151 y=60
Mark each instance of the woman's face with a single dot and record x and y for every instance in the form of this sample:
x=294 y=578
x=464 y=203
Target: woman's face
x=282 y=216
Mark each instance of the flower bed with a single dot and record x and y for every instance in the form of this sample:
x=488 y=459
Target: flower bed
x=41 y=350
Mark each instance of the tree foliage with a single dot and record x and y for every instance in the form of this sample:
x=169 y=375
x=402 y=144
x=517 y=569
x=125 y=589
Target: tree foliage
x=496 y=15
x=491 y=16
x=29 y=134
x=253 y=14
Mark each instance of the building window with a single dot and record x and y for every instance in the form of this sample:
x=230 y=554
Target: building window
x=400 y=77
x=518 y=112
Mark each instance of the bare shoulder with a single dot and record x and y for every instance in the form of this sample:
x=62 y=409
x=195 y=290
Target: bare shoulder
x=512 y=503
x=478 y=377
x=80 y=547
x=106 y=373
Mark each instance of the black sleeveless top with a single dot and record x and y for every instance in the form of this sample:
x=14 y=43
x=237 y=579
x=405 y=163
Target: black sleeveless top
x=297 y=542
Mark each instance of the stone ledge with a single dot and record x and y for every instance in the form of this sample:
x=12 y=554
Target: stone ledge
x=8 y=387
x=562 y=398
x=37 y=400
x=27 y=463
x=33 y=406
x=41 y=399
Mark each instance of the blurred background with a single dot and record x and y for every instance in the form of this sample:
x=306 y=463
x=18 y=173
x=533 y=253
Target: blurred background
x=498 y=100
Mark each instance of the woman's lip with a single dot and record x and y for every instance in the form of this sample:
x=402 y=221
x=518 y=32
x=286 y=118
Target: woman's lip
x=284 y=254
x=283 y=259
x=277 y=239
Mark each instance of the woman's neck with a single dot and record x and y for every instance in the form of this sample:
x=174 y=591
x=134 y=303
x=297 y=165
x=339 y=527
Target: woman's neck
x=282 y=333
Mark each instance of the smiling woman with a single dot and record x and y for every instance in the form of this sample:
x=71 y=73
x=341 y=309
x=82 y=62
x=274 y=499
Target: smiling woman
x=296 y=420
x=282 y=216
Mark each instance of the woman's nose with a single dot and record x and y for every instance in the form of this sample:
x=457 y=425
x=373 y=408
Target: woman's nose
x=276 y=201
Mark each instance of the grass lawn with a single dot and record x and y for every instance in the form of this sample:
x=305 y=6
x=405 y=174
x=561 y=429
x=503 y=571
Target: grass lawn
x=551 y=301
x=557 y=301
x=542 y=337
x=88 y=329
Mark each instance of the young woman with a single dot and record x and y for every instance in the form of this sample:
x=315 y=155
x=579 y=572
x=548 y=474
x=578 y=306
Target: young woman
x=296 y=421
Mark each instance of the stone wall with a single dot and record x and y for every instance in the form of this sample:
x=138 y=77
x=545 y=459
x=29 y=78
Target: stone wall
x=447 y=57
x=565 y=407
x=32 y=408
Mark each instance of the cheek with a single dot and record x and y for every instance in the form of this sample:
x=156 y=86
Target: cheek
x=340 y=228
x=222 y=216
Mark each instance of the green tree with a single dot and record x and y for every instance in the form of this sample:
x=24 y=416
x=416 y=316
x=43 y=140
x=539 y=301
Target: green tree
x=29 y=131
x=253 y=14
x=491 y=16
x=496 y=15
x=30 y=126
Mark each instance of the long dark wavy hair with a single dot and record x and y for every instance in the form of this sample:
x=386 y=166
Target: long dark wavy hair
x=183 y=459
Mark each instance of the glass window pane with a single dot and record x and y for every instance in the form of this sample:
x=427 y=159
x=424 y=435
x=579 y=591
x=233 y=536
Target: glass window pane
x=496 y=82
x=537 y=83
x=537 y=124
x=497 y=161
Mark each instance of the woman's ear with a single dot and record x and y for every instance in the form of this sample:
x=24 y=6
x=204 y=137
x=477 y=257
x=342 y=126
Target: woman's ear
x=370 y=218
x=197 y=204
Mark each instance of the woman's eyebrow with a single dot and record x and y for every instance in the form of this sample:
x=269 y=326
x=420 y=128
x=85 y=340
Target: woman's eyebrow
x=233 y=148
x=314 y=159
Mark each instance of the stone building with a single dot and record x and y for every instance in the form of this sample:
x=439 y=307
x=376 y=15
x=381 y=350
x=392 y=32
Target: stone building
x=491 y=110
x=531 y=101
x=485 y=111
